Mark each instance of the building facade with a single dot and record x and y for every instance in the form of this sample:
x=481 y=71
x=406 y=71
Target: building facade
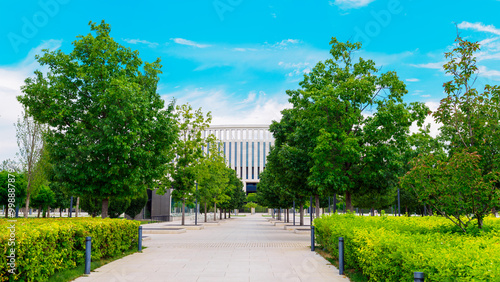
x=245 y=148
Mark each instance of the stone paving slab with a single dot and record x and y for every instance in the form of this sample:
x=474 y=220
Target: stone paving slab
x=243 y=249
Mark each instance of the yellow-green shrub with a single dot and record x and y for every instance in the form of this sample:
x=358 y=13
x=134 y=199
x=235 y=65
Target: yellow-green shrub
x=44 y=246
x=392 y=248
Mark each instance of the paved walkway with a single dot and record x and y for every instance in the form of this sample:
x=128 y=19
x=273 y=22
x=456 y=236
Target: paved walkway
x=239 y=249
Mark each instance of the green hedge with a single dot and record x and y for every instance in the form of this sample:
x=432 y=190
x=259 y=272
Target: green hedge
x=44 y=246
x=392 y=248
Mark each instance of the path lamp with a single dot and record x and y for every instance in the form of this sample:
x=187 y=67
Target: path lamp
x=310 y=211
x=70 y=206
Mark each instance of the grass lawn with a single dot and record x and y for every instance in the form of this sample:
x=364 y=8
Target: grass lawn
x=71 y=274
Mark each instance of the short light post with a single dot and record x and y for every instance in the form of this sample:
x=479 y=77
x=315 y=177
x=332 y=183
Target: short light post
x=310 y=211
x=341 y=255
x=139 y=247
x=70 y=206
x=312 y=238
x=88 y=251
x=418 y=276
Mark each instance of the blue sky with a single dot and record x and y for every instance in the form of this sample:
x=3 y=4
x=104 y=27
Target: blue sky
x=236 y=58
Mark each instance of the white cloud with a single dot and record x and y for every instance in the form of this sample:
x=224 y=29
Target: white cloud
x=479 y=27
x=183 y=41
x=11 y=80
x=226 y=108
x=350 y=4
x=135 y=41
x=489 y=73
x=412 y=80
x=436 y=65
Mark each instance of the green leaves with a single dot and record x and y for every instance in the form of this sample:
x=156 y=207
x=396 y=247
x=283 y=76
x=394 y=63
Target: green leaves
x=349 y=125
x=111 y=134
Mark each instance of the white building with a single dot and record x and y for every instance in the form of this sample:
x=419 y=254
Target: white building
x=245 y=148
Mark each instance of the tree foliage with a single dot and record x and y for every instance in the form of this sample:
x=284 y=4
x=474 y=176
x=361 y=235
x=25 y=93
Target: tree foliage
x=462 y=181
x=349 y=126
x=137 y=204
x=109 y=131
x=188 y=149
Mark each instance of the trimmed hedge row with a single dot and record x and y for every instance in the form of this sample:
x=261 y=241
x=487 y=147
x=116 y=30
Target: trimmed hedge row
x=44 y=246
x=392 y=248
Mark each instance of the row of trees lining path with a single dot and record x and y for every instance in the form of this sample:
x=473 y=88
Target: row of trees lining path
x=348 y=134
x=104 y=133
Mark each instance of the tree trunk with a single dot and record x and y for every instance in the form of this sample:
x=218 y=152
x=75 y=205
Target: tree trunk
x=220 y=213
x=39 y=209
x=406 y=209
x=494 y=212
x=225 y=213
x=215 y=211
x=348 y=201
x=317 y=205
x=78 y=206
x=27 y=205
x=60 y=212
x=372 y=212
x=288 y=215
x=205 y=211
x=229 y=213
x=301 y=214
x=48 y=211
x=104 y=210
x=480 y=222
x=183 y=210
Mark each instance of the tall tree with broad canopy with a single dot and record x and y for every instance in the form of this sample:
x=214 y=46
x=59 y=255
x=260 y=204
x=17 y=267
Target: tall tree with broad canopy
x=356 y=121
x=188 y=149
x=110 y=133
x=464 y=181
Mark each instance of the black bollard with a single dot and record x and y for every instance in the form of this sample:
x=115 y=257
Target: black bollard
x=341 y=255
x=418 y=276
x=312 y=238
x=140 y=239
x=88 y=251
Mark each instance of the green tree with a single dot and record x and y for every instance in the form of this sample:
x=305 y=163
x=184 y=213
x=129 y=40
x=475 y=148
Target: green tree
x=188 y=149
x=92 y=205
x=137 y=203
x=17 y=186
x=357 y=123
x=456 y=187
x=109 y=130
x=212 y=177
x=43 y=200
x=469 y=168
x=235 y=196
x=118 y=205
